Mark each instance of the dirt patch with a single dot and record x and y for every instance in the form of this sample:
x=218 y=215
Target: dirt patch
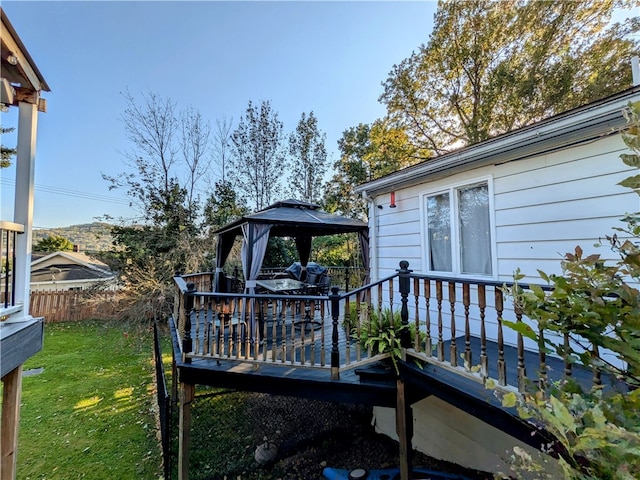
x=310 y=435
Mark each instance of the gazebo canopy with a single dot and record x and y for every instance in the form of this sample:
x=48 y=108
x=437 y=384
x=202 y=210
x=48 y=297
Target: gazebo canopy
x=289 y=218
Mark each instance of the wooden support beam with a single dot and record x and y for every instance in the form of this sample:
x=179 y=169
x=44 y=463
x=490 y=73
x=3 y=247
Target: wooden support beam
x=9 y=424
x=187 y=394
x=404 y=429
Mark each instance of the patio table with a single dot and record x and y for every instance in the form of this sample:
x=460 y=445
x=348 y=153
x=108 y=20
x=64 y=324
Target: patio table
x=289 y=286
x=282 y=285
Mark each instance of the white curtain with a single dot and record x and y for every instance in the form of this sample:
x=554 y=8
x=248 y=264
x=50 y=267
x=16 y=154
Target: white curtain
x=254 y=246
x=439 y=231
x=475 y=229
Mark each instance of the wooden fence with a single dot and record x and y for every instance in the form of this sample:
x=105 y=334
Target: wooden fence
x=73 y=305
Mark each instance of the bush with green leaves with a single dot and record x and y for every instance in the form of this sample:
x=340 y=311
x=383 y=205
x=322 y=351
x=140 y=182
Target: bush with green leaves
x=53 y=243
x=597 y=306
x=380 y=332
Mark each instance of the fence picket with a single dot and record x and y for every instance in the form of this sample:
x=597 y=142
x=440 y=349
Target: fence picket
x=71 y=305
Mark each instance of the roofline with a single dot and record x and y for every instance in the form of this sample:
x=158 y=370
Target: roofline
x=27 y=56
x=68 y=282
x=253 y=218
x=75 y=260
x=594 y=120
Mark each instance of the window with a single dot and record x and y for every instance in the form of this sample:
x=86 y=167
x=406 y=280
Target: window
x=458 y=229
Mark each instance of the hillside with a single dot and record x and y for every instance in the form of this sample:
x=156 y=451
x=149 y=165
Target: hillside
x=91 y=237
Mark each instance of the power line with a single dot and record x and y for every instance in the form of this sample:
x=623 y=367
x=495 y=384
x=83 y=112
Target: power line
x=71 y=193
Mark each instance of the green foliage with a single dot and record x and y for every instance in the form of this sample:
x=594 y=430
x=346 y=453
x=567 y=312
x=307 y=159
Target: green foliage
x=598 y=307
x=380 y=332
x=258 y=155
x=6 y=153
x=166 y=167
x=223 y=206
x=367 y=152
x=337 y=250
x=281 y=252
x=53 y=243
x=588 y=303
x=491 y=66
x=91 y=237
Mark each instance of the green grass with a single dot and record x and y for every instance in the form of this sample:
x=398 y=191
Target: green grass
x=90 y=413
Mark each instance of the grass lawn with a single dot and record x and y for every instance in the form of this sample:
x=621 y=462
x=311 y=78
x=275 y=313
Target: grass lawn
x=91 y=412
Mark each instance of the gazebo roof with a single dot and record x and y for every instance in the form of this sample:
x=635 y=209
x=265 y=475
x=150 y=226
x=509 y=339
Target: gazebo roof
x=292 y=218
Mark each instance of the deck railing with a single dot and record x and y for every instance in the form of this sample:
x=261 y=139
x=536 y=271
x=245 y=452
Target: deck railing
x=452 y=322
x=9 y=232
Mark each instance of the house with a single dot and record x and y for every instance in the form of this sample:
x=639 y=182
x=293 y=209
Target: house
x=520 y=200
x=458 y=226
x=70 y=271
x=21 y=335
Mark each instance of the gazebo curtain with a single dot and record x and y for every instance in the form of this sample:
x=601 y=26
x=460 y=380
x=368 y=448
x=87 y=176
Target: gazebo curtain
x=363 y=238
x=303 y=245
x=254 y=246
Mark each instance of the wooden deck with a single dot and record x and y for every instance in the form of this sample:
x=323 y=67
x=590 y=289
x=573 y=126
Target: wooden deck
x=301 y=346
x=286 y=377
x=285 y=331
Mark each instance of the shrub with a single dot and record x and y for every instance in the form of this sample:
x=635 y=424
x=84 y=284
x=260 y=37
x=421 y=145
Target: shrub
x=596 y=305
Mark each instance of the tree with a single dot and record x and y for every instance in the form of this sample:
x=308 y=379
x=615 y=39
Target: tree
x=222 y=145
x=223 y=206
x=163 y=185
x=53 y=243
x=6 y=152
x=195 y=148
x=308 y=159
x=367 y=152
x=491 y=66
x=258 y=157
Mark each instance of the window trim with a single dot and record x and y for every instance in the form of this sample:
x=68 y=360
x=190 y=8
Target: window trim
x=456 y=260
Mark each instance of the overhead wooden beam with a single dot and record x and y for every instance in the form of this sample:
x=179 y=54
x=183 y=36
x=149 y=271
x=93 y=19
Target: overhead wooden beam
x=32 y=97
x=23 y=62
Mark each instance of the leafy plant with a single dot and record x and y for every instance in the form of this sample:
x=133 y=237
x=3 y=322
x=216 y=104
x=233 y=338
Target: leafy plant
x=53 y=243
x=381 y=333
x=596 y=305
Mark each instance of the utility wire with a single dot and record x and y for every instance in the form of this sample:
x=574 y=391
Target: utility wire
x=71 y=193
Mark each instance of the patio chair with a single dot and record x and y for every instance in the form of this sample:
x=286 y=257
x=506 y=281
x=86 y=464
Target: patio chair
x=324 y=285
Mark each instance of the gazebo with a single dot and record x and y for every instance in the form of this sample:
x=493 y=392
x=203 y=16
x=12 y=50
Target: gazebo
x=288 y=218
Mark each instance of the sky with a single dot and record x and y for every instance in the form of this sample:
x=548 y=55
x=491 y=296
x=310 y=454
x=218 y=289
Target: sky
x=327 y=57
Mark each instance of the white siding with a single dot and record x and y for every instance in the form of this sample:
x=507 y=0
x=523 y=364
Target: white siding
x=445 y=432
x=543 y=206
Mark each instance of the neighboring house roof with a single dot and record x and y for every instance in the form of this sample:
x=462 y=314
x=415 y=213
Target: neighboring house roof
x=66 y=266
x=577 y=126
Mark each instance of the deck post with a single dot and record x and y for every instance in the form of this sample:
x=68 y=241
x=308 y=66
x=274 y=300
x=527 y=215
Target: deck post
x=335 y=352
x=11 y=395
x=187 y=394
x=187 y=342
x=404 y=286
x=404 y=429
